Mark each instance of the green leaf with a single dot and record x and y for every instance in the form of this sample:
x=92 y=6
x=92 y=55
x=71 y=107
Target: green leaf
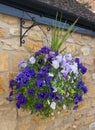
x=58 y=40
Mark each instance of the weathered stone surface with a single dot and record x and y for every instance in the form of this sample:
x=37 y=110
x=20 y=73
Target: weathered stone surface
x=64 y=113
x=92 y=126
x=91 y=112
x=33 y=46
x=8 y=117
x=42 y=127
x=37 y=120
x=93 y=76
x=17 y=57
x=80 y=42
x=70 y=40
x=87 y=78
x=93 y=53
x=70 y=48
x=4 y=62
x=2 y=84
x=77 y=116
x=84 y=105
x=86 y=37
x=12 y=44
x=2 y=32
x=88 y=120
x=85 y=51
x=91 y=90
x=76 y=35
x=91 y=44
x=78 y=124
x=22 y=113
x=14 y=31
x=9 y=19
x=87 y=61
x=24 y=123
x=35 y=35
x=91 y=68
x=11 y=75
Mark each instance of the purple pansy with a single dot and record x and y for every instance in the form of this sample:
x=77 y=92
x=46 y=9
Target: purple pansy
x=31 y=91
x=9 y=99
x=38 y=106
x=39 y=83
x=77 y=98
x=75 y=107
x=29 y=72
x=84 y=89
x=21 y=100
x=12 y=83
x=82 y=68
x=45 y=50
x=25 y=81
x=77 y=60
x=43 y=95
x=58 y=97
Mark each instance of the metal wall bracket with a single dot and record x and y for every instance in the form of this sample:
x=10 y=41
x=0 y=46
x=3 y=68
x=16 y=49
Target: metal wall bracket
x=27 y=28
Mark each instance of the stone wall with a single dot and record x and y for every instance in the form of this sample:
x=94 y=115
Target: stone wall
x=11 y=53
x=91 y=4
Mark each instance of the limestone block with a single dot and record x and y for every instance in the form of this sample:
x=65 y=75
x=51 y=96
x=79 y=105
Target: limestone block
x=4 y=62
x=85 y=51
x=2 y=85
x=24 y=123
x=92 y=126
x=8 y=118
x=14 y=31
x=9 y=19
x=33 y=46
x=91 y=90
x=2 y=32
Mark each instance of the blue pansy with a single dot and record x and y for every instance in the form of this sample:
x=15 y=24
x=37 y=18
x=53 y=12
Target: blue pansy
x=43 y=95
x=45 y=50
x=29 y=73
x=38 y=106
x=12 y=83
x=21 y=100
x=58 y=97
x=82 y=68
x=77 y=98
x=31 y=91
x=39 y=83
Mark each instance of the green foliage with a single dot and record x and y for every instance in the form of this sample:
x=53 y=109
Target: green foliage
x=58 y=39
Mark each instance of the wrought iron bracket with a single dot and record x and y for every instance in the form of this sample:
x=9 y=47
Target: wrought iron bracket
x=27 y=28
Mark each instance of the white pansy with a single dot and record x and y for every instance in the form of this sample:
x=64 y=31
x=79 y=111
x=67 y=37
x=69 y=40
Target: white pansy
x=32 y=60
x=64 y=106
x=50 y=74
x=55 y=64
x=53 y=105
x=68 y=57
x=59 y=58
x=55 y=89
x=74 y=68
